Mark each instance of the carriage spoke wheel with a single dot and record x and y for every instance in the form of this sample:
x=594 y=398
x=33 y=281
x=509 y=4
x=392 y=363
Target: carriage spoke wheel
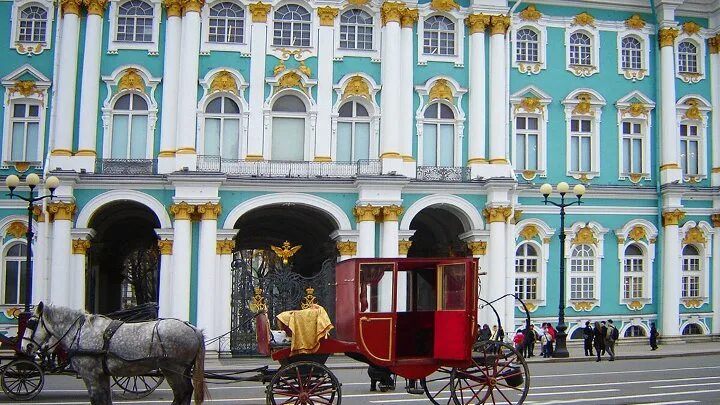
x=498 y=375
x=136 y=387
x=22 y=379
x=437 y=386
x=304 y=383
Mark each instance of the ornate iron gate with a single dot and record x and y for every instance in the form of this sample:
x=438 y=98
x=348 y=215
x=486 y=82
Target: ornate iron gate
x=283 y=290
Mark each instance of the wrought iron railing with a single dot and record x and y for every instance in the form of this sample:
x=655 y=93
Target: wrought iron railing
x=290 y=169
x=443 y=173
x=126 y=166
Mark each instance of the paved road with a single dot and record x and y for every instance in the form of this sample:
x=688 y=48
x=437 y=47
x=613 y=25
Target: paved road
x=685 y=380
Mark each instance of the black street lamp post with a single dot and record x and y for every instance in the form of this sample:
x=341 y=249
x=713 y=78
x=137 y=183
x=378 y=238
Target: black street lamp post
x=562 y=188
x=32 y=180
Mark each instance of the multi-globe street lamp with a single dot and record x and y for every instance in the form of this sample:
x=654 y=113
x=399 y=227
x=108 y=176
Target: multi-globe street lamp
x=562 y=188
x=31 y=180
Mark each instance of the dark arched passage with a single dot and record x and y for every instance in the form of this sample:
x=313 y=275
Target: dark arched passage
x=437 y=233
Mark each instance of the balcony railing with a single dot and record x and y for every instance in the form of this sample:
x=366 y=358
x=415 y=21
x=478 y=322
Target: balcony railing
x=443 y=173
x=289 y=169
x=127 y=167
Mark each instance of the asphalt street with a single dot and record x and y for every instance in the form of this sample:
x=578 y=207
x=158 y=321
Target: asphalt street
x=672 y=380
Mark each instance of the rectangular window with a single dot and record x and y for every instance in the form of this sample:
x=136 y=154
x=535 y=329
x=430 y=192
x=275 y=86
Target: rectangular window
x=633 y=287
x=527 y=133
x=582 y=288
x=690 y=286
x=25 y=133
x=632 y=144
x=430 y=145
x=689 y=149
x=288 y=139
x=344 y=142
x=580 y=145
x=526 y=288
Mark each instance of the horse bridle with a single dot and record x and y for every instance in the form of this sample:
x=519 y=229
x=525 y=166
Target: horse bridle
x=34 y=321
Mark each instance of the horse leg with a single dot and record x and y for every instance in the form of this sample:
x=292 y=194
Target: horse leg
x=180 y=383
x=96 y=381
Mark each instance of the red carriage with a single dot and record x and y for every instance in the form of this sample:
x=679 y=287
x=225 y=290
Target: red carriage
x=416 y=318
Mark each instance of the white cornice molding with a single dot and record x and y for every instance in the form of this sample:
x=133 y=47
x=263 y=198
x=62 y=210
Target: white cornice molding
x=690 y=8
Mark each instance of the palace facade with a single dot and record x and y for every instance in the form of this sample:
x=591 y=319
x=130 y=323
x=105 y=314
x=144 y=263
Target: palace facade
x=188 y=130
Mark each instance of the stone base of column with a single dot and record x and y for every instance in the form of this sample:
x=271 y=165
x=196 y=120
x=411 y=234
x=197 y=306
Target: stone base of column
x=487 y=171
x=186 y=162
x=166 y=164
x=670 y=175
x=409 y=168
x=715 y=179
x=393 y=164
x=60 y=162
x=86 y=163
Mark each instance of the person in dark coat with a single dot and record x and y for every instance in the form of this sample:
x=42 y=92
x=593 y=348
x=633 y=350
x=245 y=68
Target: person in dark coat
x=653 y=337
x=603 y=328
x=529 y=341
x=484 y=334
x=588 y=339
x=598 y=339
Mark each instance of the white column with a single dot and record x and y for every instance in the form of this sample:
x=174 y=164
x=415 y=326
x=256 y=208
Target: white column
x=40 y=269
x=223 y=311
x=715 y=271
x=66 y=86
x=714 y=45
x=390 y=97
x=478 y=248
x=498 y=91
x=90 y=87
x=407 y=92
x=326 y=45
x=62 y=287
x=496 y=260
x=258 y=38
x=165 y=290
x=80 y=245
x=476 y=113
x=171 y=75
x=390 y=248
x=509 y=320
x=182 y=246
x=207 y=271
x=186 y=154
x=669 y=167
x=671 y=273
x=365 y=218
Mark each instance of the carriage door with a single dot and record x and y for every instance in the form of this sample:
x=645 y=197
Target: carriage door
x=376 y=317
x=452 y=337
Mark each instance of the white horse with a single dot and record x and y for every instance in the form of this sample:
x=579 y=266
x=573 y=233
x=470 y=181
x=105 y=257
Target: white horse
x=99 y=347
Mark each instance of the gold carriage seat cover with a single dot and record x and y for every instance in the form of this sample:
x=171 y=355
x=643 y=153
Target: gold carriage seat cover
x=307 y=326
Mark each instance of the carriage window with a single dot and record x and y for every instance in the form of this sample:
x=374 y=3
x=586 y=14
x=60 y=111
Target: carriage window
x=453 y=287
x=376 y=287
x=417 y=290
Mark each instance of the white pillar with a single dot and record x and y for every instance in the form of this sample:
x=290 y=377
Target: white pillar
x=90 y=87
x=171 y=75
x=715 y=271
x=80 y=245
x=390 y=98
x=478 y=248
x=207 y=271
x=40 y=269
x=182 y=246
x=476 y=134
x=714 y=45
x=223 y=310
x=498 y=91
x=326 y=45
x=390 y=248
x=62 y=287
x=365 y=218
x=407 y=91
x=497 y=216
x=66 y=87
x=186 y=154
x=669 y=167
x=509 y=320
x=165 y=290
x=671 y=273
x=258 y=37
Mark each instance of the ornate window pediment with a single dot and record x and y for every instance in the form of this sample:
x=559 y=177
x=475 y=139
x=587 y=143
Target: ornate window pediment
x=692 y=117
x=529 y=130
x=634 y=129
x=636 y=254
x=583 y=110
x=355 y=92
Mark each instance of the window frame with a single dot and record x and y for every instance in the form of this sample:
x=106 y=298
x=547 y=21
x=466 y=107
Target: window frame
x=31 y=48
x=454 y=101
x=310 y=116
x=581 y=70
x=644 y=70
x=531 y=102
x=151 y=47
x=577 y=235
x=702 y=242
x=309 y=22
x=224 y=116
x=699 y=42
x=374 y=52
x=584 y=104
x=353 y=121
x=115 y=112
x=21 y=280
x=693 y=109
x=367 y=100
x=644 y=234
x=539 y=235
x=529 y=67
x=458 y=59
x=536 y=275
x=438 y=122
x=206 y=46
x=635 y=107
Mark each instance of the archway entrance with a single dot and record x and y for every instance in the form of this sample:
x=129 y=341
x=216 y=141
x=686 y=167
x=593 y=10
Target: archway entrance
x=123 y=260
x=437 y=233
x=257 y=264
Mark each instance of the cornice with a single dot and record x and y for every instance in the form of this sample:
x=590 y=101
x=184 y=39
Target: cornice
x=688 y=8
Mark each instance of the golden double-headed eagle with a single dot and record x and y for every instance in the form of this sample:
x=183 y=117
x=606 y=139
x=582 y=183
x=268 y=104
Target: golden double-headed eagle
x=286 y=251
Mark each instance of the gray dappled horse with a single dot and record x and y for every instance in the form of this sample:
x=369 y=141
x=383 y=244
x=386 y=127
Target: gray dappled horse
x=173 y=346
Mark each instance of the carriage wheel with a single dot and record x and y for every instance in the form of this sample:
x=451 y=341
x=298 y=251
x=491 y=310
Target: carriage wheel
x=437 y=386
x=136 y=387
x=304 y=383
x=498 y=375
x=22 y=379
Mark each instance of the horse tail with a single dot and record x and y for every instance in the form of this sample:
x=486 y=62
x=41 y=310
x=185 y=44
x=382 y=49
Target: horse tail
x=200 y=389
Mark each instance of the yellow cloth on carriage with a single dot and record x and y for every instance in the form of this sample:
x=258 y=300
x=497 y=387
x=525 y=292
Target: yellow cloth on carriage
x=308 y=326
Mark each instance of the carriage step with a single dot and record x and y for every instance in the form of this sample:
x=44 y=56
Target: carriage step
x=415 y=391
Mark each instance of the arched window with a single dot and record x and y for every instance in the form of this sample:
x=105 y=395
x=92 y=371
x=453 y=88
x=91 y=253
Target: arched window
x=526 y=271
x=135 y=22
x=439 y=136
x=635 y=331
x=353 y=132
x=527 y=46
x=691 y=272
x=288 y=129
x=25 y=129
x=632 y=53
x=14 y=268
x=582 y=273
x=222 y=128
x=687 y=57
x=527 y=134
x=226 y=24
x=356 y=30
x=690 y=147
x=129 y=127
x=32 y=25
x=292 y=26
x=634 y=272
x=439 y=36
x=580 y=49
x=692 y=329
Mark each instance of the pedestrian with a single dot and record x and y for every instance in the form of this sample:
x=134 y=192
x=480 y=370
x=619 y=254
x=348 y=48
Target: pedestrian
x=588 y=339
x=484 y=334
x=598 y=339
x=542 y=338
x=518 y=341
x=610 y=337
x=529 y=341
x=653 y=337
x=603 y=328
x=493 y=335
x=551 y=340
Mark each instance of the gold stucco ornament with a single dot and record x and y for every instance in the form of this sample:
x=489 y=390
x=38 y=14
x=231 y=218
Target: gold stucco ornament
x=286 y=251
x=530 y=13
x=131 y=80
